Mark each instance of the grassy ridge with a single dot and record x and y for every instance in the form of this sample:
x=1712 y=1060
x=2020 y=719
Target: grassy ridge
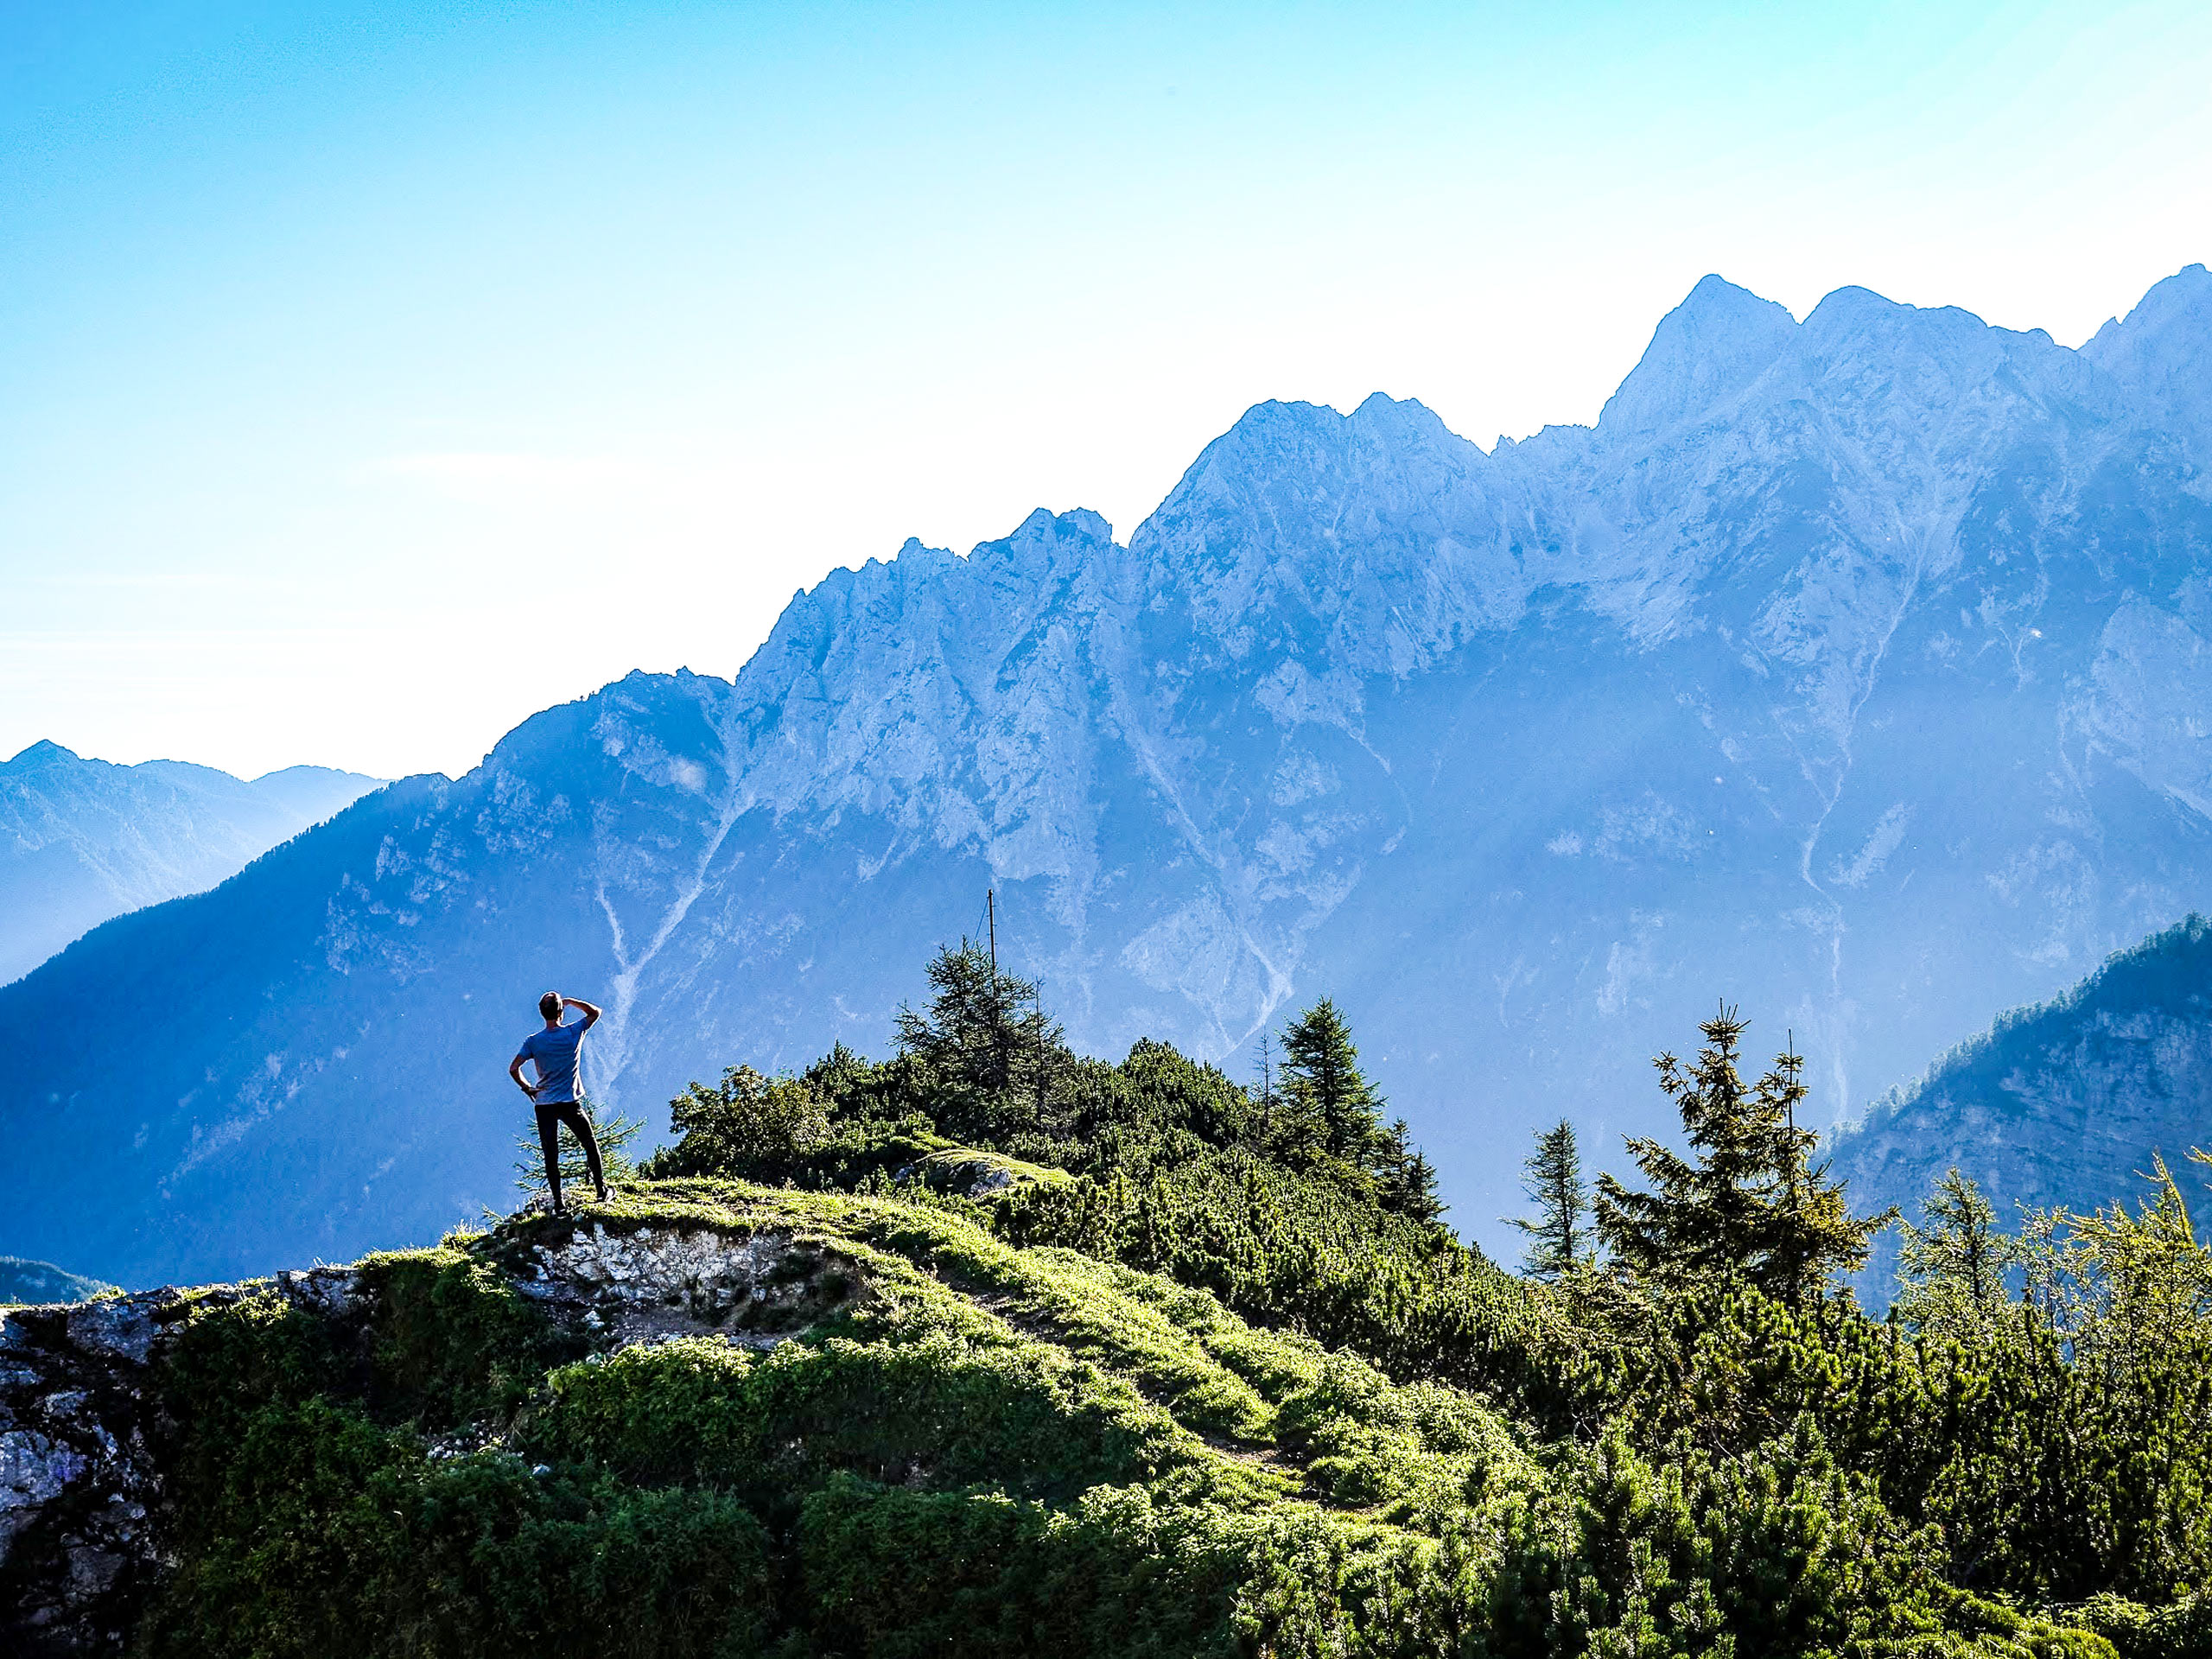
x=986 y=1416
x=996 y=1449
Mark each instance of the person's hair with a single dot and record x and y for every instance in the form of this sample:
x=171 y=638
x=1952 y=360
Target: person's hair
x=550 y=1005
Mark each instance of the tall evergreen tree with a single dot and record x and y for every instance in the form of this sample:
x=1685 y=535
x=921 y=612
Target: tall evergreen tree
x=1811 y=1235
x=1749 y=1203
x=1322 y=1083
x=1560 y=1236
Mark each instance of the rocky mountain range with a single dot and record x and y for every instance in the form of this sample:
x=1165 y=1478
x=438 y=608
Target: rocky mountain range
x=1852 y=670
x=81 y=841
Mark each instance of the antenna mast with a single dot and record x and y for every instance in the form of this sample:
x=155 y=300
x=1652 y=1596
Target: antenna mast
x=991 y=912
x=1789 y=1043
x=1789 y=1098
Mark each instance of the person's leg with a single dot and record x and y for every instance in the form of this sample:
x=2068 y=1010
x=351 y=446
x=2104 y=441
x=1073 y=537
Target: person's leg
x=579 y=1124
x=549 y=1137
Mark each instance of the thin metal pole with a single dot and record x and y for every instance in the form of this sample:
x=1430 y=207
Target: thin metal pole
x=991 y=910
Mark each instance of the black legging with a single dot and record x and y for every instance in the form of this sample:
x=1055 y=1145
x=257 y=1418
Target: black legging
x=551 y=1113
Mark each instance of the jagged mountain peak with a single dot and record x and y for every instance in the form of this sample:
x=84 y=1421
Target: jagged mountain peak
x=44 y=753
x=1049 y=539
x=1706 y=352
x=2180 y=303
x=1845 y=670
x=2161 y=355
x=1854 y=326
x=1300 y=515
x=1295 y=452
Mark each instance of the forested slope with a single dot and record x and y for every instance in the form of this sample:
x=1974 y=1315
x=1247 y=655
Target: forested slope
x=2059 y=1103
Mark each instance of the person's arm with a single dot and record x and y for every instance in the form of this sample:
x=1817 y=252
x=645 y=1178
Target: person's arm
x=514 y=1071
x=589 y=1012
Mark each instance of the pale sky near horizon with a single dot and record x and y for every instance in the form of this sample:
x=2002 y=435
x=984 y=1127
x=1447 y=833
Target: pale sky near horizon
x=372 y=378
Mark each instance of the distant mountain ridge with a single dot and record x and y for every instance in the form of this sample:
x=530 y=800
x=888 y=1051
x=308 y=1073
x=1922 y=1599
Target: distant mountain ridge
x=81 y=841
x=2062 y=1103
x=41 y=1282
x=1851 y=669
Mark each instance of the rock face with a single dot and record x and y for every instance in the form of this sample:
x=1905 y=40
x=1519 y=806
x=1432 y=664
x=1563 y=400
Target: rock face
x=81 y=841
x=83 y=1437
x=1853 y=669
x=646 y=1284
x=2064 y=1102
x=80 y=1483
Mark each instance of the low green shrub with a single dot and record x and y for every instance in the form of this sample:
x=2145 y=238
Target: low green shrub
x=2181 y=1629
x=936 y=1412
x=328 y=1535
x=895 y=1575
x=994 y=1448
x=450 y=1337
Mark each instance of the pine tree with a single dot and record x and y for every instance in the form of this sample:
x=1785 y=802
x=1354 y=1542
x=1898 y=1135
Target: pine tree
x=1409 y=1183
x=2145 y=1281
x=1560 y=1239
x=1951 y=1274
x=1811 y=1235
x=1750 y=1204
x=1322 y=1083
x=985 y=1041
x=1266 y=1102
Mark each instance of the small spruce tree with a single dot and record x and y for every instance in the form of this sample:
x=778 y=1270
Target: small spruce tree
x=613 y=1133
x=986 y=1046
x=1323 y=1086
x=1409 y=1180
x=1749 y=1203
x=1811 y=1235
x=1560 y=1236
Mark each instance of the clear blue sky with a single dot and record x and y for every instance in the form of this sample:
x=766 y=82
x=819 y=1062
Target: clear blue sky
x=373 y=376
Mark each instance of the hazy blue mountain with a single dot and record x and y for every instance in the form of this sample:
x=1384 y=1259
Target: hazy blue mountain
x=1851 y=669
x=81 y=841
x=2062 y=1103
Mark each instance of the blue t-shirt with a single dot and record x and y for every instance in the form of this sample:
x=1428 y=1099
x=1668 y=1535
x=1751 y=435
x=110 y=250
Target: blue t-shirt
x=556 y=1054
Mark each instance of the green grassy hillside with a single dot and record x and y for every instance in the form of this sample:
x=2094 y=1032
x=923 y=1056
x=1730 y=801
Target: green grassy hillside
x=935 y=1441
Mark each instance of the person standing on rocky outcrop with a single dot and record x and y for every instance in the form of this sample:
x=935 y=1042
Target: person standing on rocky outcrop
x=556 y=1051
